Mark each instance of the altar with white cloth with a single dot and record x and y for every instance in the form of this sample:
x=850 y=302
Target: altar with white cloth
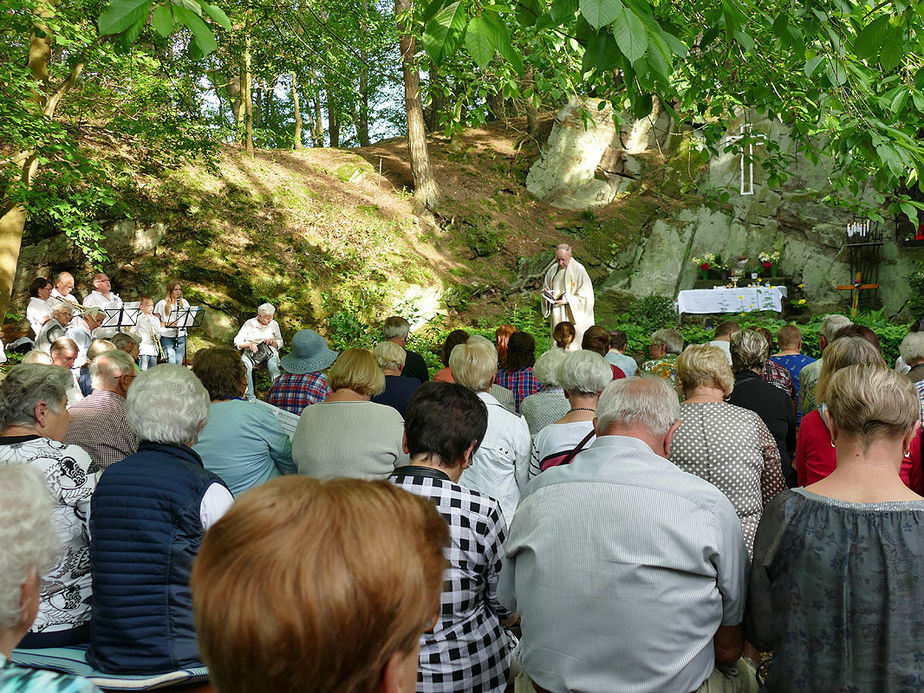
x=725 y=300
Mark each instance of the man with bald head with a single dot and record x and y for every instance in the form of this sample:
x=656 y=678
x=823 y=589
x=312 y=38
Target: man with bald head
x=98 y=421
x=64 y=285
x=567 y=294
x=103 y=297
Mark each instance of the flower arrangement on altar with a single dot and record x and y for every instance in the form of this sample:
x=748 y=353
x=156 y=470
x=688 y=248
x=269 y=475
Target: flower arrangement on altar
x=706 y=262
x=768 y=260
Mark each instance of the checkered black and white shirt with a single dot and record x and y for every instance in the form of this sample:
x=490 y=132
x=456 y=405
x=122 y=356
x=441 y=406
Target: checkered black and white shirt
x=467 y=650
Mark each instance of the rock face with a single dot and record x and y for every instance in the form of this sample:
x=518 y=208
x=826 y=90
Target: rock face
x=810 y=235
x=587 y=161
x=564 y=174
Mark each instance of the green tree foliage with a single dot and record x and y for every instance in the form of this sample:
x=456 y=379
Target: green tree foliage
x=846 y=76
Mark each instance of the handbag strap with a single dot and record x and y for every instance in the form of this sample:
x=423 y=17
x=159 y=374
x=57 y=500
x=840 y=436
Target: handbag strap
x=580 y=446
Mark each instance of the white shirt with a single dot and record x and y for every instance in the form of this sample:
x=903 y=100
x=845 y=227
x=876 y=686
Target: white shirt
x=500 y=466
x=148 y=328
x=97 y=299
x=60 y=298
x=37 y=313
x=78 y=331
x=252 y=331
x=724 y=346
x=556 y=438
x=160 y=310
x=216 y=501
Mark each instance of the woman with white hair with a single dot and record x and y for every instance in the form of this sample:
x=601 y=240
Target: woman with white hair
x=398 y=388
x=583 y=375
x=549 y=404
x=500 y=466
x=28 y=548
x=912 y=353
x=259 y=341
x=34 y=421
x=148 y=516
x=728 y=446
x=56 y=326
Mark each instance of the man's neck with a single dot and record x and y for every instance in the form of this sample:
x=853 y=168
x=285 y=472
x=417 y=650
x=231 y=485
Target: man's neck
x=788 y=352
x=638 y=432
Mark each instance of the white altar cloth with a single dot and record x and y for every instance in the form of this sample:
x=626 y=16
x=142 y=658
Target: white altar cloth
x=723 y=300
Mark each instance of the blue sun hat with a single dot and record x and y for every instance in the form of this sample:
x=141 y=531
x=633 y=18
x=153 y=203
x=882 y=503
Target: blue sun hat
x=309 y=353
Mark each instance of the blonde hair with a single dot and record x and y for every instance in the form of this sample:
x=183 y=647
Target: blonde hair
x=368 y=573
x=474 y=363
x=703 y=365
x=389 y=355
x=871 y=400
x=356 y=369
x=841 y=353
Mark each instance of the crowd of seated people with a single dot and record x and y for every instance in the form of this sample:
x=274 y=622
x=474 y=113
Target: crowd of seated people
x=515 y=522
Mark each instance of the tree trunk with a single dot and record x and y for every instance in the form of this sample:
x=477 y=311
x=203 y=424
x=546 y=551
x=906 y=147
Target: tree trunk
x=297 y=141
x=317 y=127
x=362 y=122
x=425 y=188
x=258 y=109
x=236 y=96
x=333 y=116
x=248 y=99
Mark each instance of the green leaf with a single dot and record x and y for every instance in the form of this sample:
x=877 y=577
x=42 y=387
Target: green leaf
x=217 y=15
x=130 y=35
x=602 y=52
x=910 y=211
x=599 y=13
x=443 y=35
x=918 y=99
x=479 y=41
x=162 y=20
x=893 y=49
x=511 y=55
x=630 y=35
x=528 y=12
x=745 y=41
x=204 y=39
x=871 y=38
x=430 y=10
x=812 y=65
x=563 y=10
x=898 y=103
x=193 y=7
x=122 y=14
x=641 y=105
x=919 y=79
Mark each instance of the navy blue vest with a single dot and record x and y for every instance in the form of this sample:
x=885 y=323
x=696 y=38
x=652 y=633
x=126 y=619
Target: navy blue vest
x=145 y=531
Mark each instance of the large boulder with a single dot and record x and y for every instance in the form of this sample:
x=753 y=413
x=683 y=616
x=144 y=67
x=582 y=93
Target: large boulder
x=564 y=174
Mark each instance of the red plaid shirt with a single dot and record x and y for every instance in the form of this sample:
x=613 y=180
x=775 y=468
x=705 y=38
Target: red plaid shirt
x=521 y=383
x=778 y=376
x=293 y=392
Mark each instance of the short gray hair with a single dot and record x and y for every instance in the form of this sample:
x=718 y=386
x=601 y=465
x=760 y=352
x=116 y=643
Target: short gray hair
x=646 y=400
x=396 y=326
x=389 y=355
x=912 y=347
x=584 y=372
x=37 y=356
x=748 y=349
x=830 y=324
x=106 y=369
x=167 y=404
x=28 y=384
x=546 y=367
x=474 y=363
x=266 y=309
x=29 y=544
x=671 y=339
x=62 y=305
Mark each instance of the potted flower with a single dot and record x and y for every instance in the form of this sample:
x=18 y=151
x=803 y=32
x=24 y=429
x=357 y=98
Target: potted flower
x=704 y=264
x=769 y=261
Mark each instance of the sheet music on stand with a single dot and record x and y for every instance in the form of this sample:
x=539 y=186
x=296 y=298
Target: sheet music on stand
x=124 y=316
x=186 y=317
x=286 y=419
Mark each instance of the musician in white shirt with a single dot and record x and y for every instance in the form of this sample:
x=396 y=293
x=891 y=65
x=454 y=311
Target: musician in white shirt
x=103 y=297
x=260 y=330
x=147 y=326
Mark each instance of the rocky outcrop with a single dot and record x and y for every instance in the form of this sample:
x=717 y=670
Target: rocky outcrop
x=810 y=235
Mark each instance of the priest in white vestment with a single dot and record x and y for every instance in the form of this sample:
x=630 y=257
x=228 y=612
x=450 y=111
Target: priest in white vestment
x=567 y=294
